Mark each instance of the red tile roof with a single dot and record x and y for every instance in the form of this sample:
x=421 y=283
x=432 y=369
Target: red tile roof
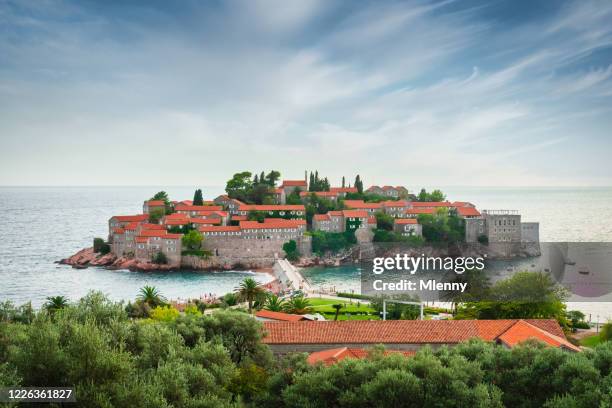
x=355 y=214
x=157 y=233
x=468 y=212
x=431 y=204
x=239 y=218
x=141 y=240
x=343 y=189
x=131 y=218
x=403 y=221
x=523 y=330
x=332 y=356
x=462 y=204
x=185 y=207
x=360 y=204
x=273 y=223
x=392 y=203
x=205 y=221
x=205 y=213
x=420 y=211
x=395 y=331
x=293 y=183
x=118 y=231
x=148 y=226
x=155 y=203
x=219 y=228
x=285 y=317
x=321 y=217
x=291 y=221
x=131 y=226
x=372 y=220
x=285 y=207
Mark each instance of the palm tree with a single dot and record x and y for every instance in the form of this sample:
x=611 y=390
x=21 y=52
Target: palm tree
x=55 y=303
x=274 y=303
x=298 y=305
x=249 y=290
x=151 y=296
x=337 y=307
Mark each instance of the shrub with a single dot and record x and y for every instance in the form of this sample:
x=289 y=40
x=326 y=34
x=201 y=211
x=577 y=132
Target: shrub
x=164 y=313
x=606 y=332
x=160 y=258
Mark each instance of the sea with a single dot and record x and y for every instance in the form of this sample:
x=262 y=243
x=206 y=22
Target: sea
x=41 y=225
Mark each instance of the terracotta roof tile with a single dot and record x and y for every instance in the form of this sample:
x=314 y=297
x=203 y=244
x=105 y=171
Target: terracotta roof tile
x=131 y=218
x=355 y=214
x=394 y=331
x=404 y=221
x=286 y=317
x=287 y=207
x=293 y=183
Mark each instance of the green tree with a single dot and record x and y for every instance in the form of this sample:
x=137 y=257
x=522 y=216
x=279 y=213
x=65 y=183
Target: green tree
x=298 y=305
x=161 y=196
x=159 y=258
x=274 y=303
x=155 y=215
x=239 y=186
x=524 y=295
x=337 y=308
x=358 y=184
x=192 y=240
x=272 y=177
x=294 y=197
x=100 y=247
x=55 y=303
x=151 y=296
x=198 y=199
x=248 y=290
x=291 y=250
x=384 y=221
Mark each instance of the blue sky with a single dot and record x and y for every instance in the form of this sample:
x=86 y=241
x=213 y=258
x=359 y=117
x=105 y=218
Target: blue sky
x=507 y=93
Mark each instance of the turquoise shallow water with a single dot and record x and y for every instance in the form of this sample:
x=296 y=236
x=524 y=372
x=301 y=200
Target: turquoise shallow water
x=41 y=225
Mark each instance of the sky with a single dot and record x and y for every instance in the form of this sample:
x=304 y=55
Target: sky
x=440 y=93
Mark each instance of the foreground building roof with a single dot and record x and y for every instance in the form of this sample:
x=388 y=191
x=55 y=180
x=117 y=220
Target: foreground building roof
x=509 y=332
x=279 y=316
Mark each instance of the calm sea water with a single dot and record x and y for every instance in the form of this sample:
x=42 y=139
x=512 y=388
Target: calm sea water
x=41 y=225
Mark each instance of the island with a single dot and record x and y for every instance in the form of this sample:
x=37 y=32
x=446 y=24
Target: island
x=307 y=221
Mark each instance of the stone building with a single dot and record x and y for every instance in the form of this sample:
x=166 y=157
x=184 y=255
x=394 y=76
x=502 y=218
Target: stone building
x=407 y=227
x=252 y=239
x=230 y=205
x=502 y=230
x=282 y=211
x=289 y=186
x=152 y=205
x=344 y=220
x=150 y=242
x=389 y=191
x=196 y=210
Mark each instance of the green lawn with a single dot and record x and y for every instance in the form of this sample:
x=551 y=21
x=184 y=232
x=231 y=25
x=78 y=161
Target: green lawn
x=590 y=341
x=325 y=306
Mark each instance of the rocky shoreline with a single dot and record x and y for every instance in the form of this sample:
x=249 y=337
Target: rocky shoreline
x=87 y=257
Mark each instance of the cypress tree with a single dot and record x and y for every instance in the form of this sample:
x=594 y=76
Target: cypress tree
x=197 y=197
